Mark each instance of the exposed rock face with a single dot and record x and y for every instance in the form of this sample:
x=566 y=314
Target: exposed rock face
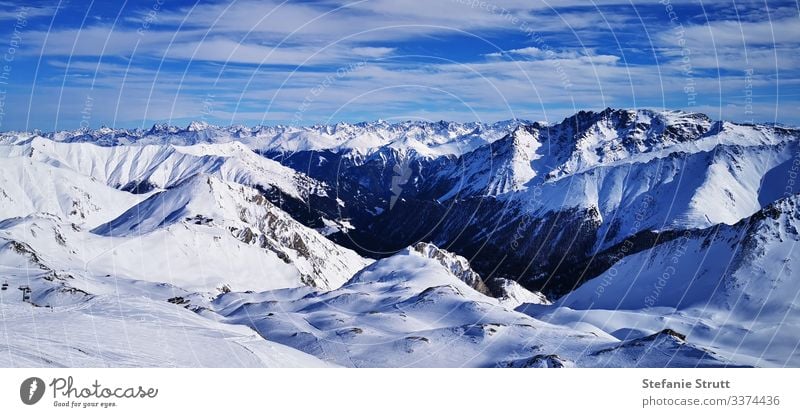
x=457 y=265
x=540 y=361
x=512 y=295
x=207 y=201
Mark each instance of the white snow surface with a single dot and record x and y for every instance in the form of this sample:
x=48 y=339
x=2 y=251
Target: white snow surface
x=102 y=263
x=410 y=310
x=120 y=323
x=165 y=165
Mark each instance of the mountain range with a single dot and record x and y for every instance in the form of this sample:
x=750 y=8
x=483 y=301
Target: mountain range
x=611 y=238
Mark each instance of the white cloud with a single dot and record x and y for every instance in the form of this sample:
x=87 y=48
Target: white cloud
x=731 y=33
x=534 y=53
x=521 y=82
x=15 y=11
x=766 y=45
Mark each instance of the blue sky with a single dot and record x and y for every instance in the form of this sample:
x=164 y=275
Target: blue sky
x=133 y=63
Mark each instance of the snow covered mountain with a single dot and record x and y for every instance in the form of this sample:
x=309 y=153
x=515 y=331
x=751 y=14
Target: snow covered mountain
x=208 y=206
x=64 y=193
x=140 y=169
x=734 y=288
x=81 y=250
x=512 y=244
x=539 y=203
x=735 y=266
x=426 y=139
x=413 y=310
x=174 y=195
x=83 y=320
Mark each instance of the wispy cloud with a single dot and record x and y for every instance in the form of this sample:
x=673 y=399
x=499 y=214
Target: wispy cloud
x=15 y=11
x=261 y=61
x=534 y=53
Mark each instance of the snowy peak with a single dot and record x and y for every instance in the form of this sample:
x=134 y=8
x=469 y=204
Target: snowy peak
x=197 y=126
x=162 y=129
x=638 y=125
x=64 y=194
x=730 y=267
x=733 y=287
x=503 y=166
x=406 y=309
x=420 y=139
x=513 y=159
x=213 y=196
x=455 y=264
x=589 y=139
x=426 y=139
x=204 y=202
x=195 y=195
x=141 y=169
x=512 y=295
x=785 y=211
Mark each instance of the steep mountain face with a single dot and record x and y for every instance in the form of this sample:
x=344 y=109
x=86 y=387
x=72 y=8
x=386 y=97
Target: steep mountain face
x=512 y=295
x=746 y=267
x=219 y=207
x=456 y=265
x=508 y=292
x=185 y=201
x=731 y=287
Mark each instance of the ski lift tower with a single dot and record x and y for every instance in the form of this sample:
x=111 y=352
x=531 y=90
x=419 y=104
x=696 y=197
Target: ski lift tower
x=26 y=293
